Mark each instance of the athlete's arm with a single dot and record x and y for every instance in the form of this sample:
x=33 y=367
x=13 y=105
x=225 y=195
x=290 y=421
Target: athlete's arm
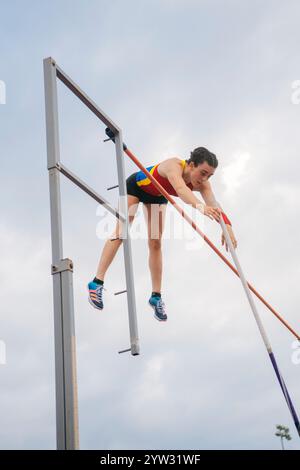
x=209 y=198
x=208 y=195
x=172 y=170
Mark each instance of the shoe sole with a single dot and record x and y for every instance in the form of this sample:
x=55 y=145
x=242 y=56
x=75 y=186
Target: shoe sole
x=158 y=319
x=91 y=302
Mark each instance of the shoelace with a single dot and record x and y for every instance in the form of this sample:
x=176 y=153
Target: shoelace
x=99 y=292
x=160 y=306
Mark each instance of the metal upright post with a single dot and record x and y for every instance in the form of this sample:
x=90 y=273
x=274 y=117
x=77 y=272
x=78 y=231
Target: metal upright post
x=62 y=270
x=133 y=330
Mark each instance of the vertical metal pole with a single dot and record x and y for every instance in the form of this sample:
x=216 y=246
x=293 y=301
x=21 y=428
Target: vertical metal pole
x=261 y=328
x=64 y=335
x=133 y=331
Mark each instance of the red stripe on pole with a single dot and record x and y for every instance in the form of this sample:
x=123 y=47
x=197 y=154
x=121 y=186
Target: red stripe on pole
x=196 y=228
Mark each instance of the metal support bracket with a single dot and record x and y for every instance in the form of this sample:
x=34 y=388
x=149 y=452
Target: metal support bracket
x=65 y=264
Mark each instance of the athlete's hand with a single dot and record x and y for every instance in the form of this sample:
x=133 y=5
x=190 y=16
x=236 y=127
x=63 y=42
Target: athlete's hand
x=214 y=213
x=232 y=237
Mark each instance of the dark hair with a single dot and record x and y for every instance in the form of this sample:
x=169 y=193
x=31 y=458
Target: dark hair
x=200 y=155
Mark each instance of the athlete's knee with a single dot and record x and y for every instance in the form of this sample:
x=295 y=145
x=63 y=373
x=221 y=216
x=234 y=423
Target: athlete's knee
x=154 y=244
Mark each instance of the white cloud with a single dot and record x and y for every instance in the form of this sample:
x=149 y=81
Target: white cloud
x=236 y=173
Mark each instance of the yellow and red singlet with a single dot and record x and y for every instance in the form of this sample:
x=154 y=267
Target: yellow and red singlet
x=146 y=184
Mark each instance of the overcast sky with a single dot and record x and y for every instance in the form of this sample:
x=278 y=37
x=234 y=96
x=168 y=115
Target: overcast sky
x=174 y=74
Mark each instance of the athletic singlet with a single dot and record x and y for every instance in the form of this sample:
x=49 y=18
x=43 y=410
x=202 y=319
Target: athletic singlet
x=146 y=184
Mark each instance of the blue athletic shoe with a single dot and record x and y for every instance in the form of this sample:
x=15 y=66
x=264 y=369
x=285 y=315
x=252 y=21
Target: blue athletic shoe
x=159 y=308
x=96 y=294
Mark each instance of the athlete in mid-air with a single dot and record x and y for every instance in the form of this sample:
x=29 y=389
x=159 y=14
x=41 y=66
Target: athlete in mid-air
x=180 y=178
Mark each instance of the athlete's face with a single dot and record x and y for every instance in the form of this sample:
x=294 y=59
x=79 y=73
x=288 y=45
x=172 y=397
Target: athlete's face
x=200 y=174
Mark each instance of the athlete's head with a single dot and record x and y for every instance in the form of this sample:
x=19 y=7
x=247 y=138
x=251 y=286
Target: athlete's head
x=202 y=164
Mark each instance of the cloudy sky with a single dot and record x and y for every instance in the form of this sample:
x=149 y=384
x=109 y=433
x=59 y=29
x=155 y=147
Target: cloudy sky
x=174 y=74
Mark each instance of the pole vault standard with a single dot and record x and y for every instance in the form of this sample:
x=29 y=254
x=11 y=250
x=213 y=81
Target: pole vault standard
x=238 y=271
x=62 y=269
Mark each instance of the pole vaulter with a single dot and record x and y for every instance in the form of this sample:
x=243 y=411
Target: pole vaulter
x=237 y=270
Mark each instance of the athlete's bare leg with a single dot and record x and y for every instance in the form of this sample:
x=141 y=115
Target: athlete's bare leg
x=113 y=244
x=155 y=217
